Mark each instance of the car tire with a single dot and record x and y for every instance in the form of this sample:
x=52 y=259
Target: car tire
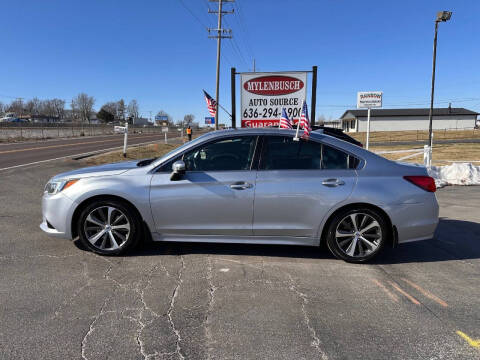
x=109 y=227
x=357 y=235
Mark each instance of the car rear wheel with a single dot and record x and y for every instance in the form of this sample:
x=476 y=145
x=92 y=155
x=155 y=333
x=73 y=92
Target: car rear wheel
x=357 y=235
x=108 y=227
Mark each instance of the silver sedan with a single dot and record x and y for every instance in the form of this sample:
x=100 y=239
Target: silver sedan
x=258 y=186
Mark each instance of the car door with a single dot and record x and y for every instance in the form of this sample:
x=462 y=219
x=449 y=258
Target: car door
x=298 y=182
x=214 y=197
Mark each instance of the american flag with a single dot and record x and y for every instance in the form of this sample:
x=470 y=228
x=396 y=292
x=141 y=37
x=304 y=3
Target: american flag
x=285 y=122
x=211 y=104
x=305 y=121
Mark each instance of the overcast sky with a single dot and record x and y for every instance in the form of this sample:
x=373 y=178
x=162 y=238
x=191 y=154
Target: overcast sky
x=158 y=51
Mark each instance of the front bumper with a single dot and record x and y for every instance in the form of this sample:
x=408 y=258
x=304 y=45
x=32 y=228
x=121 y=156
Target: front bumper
x=50 y=231
x=57 y=213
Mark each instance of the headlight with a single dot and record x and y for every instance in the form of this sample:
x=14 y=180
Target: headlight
x=56 y=186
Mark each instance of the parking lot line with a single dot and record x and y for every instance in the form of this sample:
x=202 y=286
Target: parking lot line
x=470 y=341
x=426 y=293
x=404 y=293
x=384 y=288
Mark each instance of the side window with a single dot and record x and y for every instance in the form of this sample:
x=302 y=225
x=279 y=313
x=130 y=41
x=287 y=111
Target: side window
x=283 y=153
x=334 y=159
x=167 y=167
x=224 y=154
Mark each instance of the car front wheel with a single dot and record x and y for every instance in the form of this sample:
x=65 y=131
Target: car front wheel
x=108 y=227
x=357 y=235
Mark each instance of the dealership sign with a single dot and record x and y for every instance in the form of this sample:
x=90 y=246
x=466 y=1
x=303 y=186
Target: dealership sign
x=263 y=95
x=369 y=99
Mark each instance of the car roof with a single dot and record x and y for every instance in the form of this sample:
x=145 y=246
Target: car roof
x=256 y=131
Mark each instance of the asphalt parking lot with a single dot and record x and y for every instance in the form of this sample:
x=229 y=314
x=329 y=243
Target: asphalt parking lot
x=201 y=301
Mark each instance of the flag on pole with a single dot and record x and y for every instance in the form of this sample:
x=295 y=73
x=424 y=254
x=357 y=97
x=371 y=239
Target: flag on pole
x=305 y=121
x=211 y=104
x=285 y=122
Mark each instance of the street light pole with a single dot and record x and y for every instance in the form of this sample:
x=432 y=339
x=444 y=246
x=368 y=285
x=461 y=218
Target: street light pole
x=430 y=114
x=441 y=16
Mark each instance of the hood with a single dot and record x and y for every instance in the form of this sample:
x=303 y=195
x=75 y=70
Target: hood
x=99 y=170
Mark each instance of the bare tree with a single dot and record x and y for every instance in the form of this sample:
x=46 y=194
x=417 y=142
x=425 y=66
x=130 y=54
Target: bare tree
x=83 y=105
x=33 y=107
x=169 y=118
x=75 y=114
x=16 y=107
x=132 y=109
x=188 y=120
x=2 y=108
x=120 y=110
x=58 y=108
x=47 y=108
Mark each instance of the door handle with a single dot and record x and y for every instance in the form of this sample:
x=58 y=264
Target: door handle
x=241 y=185
x=333 y=182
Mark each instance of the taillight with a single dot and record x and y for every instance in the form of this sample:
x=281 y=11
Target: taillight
x=427 y=183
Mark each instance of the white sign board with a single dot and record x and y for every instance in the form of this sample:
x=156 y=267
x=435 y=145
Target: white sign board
x=119 y=129
x=263 y=95
x=165 y=129
x=369 y=99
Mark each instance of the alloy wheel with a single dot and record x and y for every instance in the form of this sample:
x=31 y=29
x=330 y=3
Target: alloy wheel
x=107 y=228
x=358 y=235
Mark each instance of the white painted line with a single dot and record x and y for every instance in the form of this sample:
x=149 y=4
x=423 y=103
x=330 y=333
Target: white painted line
x=397 y=151
x=409 y=156
x=76 y=155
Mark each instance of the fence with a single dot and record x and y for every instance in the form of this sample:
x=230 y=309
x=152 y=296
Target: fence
x=19 y=131
x=417 y=135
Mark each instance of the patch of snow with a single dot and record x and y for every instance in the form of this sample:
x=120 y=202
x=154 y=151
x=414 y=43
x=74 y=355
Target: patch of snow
x=455 y=174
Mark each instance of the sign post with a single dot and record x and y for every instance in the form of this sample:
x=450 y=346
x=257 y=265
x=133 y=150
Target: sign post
x=165 y=131
x=263 y=95
x=125 y=140
x=369 y=100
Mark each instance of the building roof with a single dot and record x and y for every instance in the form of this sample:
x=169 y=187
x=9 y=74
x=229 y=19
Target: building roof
x=409 y=112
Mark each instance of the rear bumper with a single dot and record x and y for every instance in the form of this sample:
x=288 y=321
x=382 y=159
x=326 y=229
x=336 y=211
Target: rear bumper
x=415 y=221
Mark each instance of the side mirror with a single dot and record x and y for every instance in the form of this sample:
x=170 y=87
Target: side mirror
x=178 y=168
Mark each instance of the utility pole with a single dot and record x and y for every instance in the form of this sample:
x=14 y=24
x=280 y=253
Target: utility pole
x=253 y=65
x=221 y=34
x=20 y=100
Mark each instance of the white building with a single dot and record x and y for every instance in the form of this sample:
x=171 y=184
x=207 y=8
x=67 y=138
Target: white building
x=408 y=119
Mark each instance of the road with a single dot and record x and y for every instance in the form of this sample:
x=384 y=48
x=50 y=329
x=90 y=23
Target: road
x=20 y=154
x=206 y=301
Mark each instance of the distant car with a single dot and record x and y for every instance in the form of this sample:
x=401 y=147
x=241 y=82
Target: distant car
x=17 y=120
x=8 y=117
x=256 y=186
x=338 y=133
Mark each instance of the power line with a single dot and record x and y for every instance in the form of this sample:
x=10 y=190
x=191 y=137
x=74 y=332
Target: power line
x=236 y=48
x=193 y=14
x=241 y=21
